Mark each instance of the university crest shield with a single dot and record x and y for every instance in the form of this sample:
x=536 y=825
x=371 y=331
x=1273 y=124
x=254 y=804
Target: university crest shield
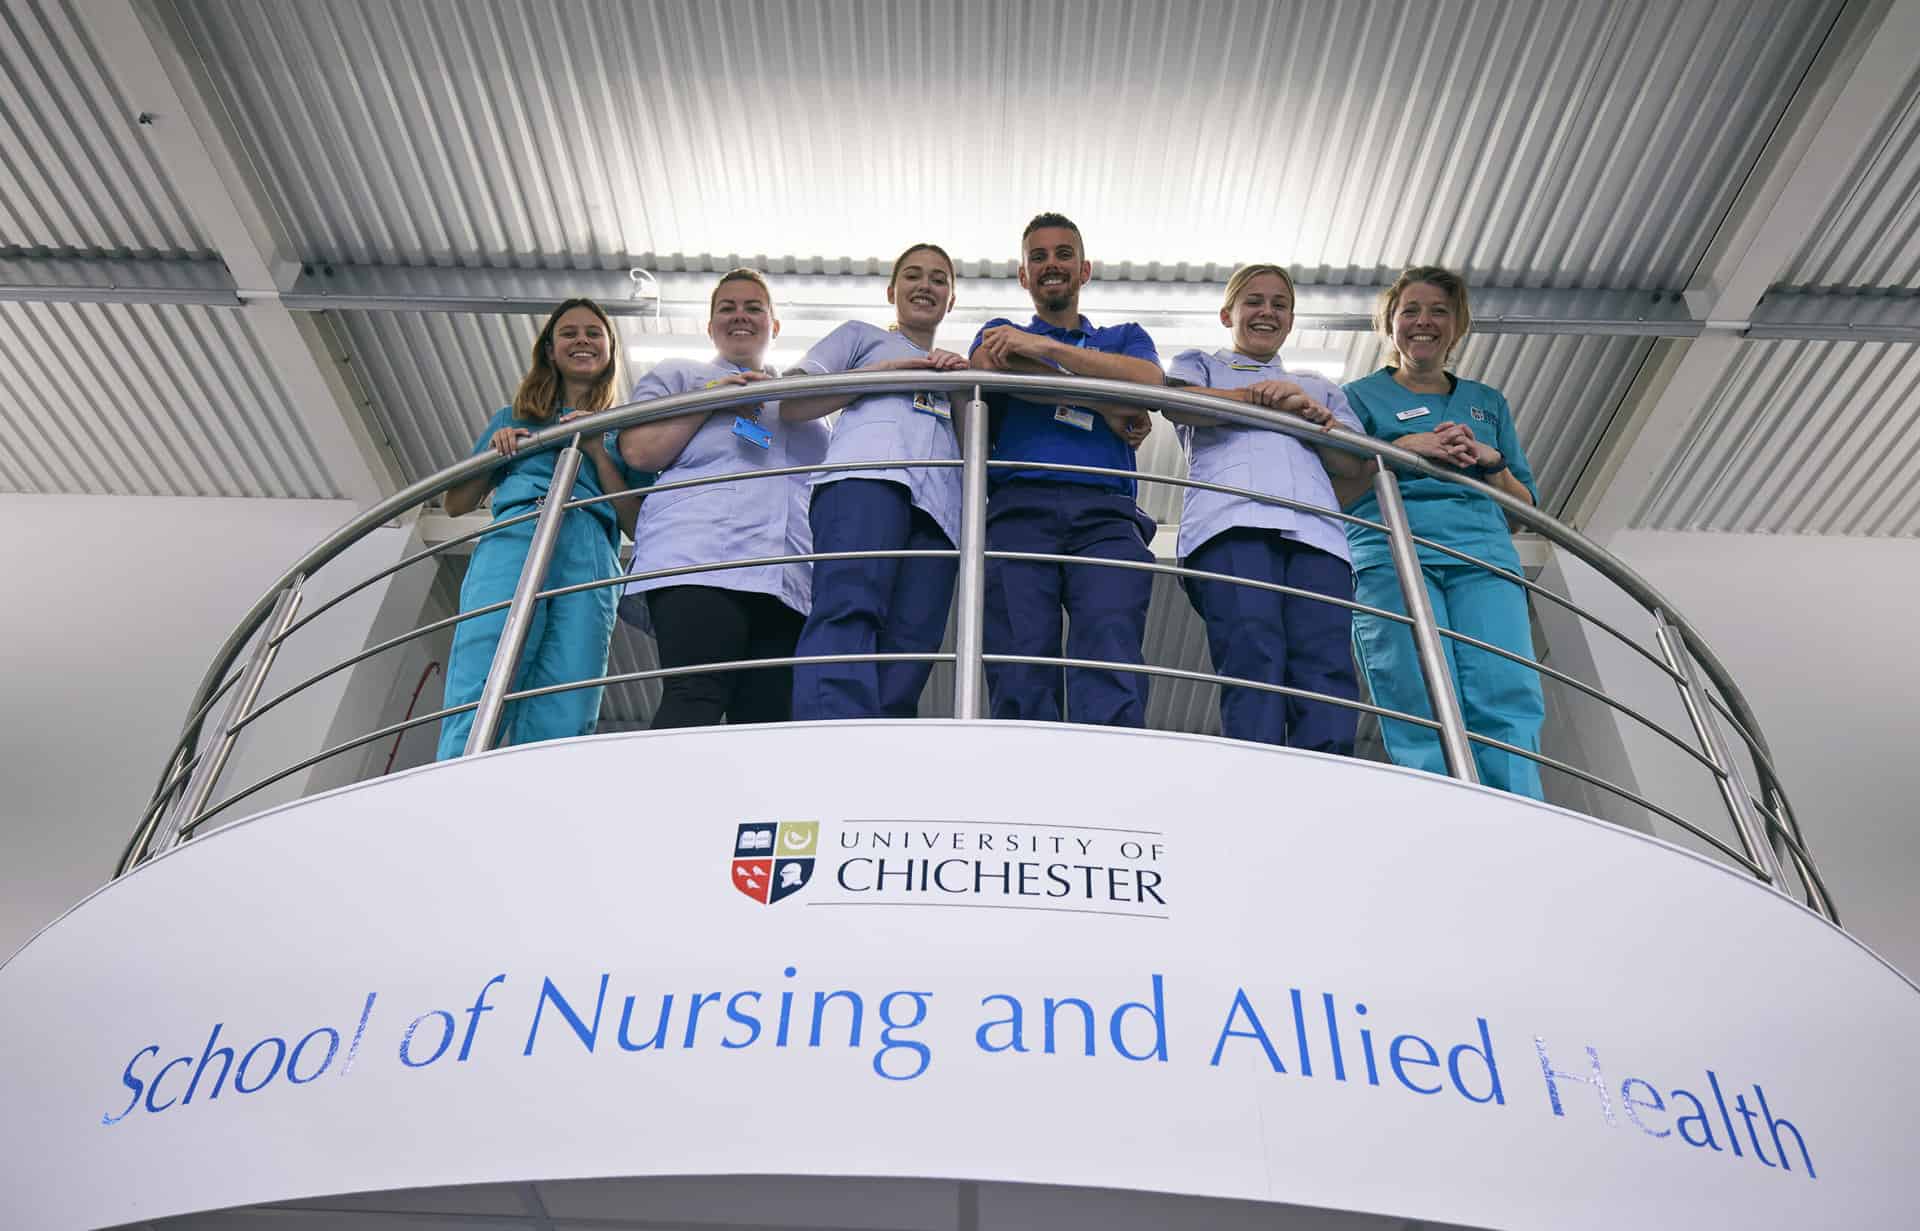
x=774 y=859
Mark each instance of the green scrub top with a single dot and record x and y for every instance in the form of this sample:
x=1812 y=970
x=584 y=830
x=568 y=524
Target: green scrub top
x=1444 y=512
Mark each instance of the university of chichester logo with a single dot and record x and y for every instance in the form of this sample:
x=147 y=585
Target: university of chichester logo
x=774 y=860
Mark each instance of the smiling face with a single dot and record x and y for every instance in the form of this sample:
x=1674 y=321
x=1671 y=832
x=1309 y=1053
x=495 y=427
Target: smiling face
x=742 y=324
x=1261 y=316
x=580 y=348
x=1053 y=269
x=922 y=290
x=1425 y=325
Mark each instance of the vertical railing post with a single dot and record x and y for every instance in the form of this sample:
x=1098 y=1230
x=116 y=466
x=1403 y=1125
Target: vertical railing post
x=1747 y=823
x=533 y=576
x=970 y=590
x=170 y=787
x=1817 y=898
x=226 y=733
x=1426 y=632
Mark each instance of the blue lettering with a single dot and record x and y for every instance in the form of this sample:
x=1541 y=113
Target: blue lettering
x=154 y=1087
x=1633 y=1105
x=550 y=993
x=694 y=1005
x=1700 y=1116
x=1776 y=1126
x=820 y=1002
x=1242 y=1005
x=132 y=1083
x=333 y=1045
x=1051 y=1007
x=659 y=1038
x=922 y=1054
x=735 y=1015
x=359 y=1032
x=1485 y=1053
x=1156 y=1013
x=1400 y=1062
x=226 y=1062
x=1012 y=1021
x=279 y=1057
x=1553 y=1089
x=446 y=1038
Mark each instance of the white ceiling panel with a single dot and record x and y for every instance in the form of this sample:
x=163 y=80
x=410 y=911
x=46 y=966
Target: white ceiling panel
x=1584 y=144
x=75 y=176
x=1808 y=438
x=152 y=400
x=1871 y=235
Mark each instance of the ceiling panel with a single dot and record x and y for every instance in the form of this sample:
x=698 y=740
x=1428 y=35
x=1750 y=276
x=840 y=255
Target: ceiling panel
x=1586 y=144
x=1806 y=438
x=153 y=400
x=75 y=174
x=1870 y=237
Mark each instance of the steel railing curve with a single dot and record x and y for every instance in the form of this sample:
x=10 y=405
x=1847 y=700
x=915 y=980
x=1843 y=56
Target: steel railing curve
x=1766 y=831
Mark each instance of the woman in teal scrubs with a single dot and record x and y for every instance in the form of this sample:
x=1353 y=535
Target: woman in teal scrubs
x=1420 y=406
x=574 y=371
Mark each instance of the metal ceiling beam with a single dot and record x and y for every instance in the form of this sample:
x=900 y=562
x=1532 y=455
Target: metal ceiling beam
x=318 y=287
x=171 y=102
x=1858 y=76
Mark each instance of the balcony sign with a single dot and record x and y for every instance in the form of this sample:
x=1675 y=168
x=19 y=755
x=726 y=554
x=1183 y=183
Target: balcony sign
x=1004 y=952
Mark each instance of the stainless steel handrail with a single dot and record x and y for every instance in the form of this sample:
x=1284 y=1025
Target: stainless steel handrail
x=1688 y=648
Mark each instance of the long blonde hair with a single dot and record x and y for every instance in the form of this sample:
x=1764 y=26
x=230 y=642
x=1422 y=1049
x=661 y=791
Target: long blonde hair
x=541 y=388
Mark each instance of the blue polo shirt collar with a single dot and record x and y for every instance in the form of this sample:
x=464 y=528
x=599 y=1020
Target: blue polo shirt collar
x=1084 y=326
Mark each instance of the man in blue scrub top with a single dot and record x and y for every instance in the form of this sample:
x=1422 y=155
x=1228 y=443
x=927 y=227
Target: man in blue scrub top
x=1091 y=516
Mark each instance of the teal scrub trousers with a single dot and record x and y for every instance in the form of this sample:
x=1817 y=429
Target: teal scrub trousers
x=1498 y=698
x=567 y=640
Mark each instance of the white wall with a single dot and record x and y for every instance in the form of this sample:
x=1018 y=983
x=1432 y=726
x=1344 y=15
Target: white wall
x=1817 y=632
x=117 y=606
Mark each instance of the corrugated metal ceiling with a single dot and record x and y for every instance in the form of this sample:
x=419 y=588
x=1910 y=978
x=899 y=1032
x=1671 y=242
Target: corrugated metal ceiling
x=1871 y=235
x=149 y=400
x=1807 y=438
x=74 y=174
x=1505 y=138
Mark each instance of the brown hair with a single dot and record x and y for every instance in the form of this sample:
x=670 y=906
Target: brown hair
x=541 y=388
x=901 y=260
x=1051 y=219
x=741 y=274
x=1433 y=275
x=1247 y=273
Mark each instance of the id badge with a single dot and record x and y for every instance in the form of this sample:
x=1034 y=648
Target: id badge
x=1074 y=416
x=1416 y=413
x=935 y=404
x=751 y=432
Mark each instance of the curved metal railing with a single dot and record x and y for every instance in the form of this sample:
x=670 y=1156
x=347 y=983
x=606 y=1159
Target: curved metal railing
x=1765 y=838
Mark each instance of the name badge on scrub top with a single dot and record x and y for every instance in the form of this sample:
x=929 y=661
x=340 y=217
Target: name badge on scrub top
x=1415 y=413
x=751 y=432
x=935 y=404
x=1074 y=416
x=1248 y=367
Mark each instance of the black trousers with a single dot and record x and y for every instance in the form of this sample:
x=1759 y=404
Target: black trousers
x=693 y=625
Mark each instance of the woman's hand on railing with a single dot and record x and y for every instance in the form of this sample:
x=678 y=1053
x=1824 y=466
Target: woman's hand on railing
x=936 y=360
x=507 y=441
x=1285 y=395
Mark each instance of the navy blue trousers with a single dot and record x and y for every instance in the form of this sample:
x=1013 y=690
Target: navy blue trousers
x=1106 y=607
x=1277 y=638
x=871 y=606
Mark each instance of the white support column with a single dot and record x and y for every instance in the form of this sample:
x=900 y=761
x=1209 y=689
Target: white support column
x=1856 y=79
x=169 y=92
